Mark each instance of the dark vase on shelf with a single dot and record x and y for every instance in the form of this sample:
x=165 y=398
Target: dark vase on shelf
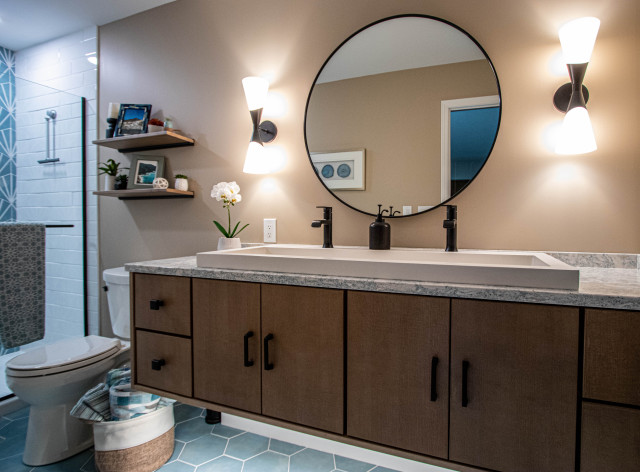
x=121 y=184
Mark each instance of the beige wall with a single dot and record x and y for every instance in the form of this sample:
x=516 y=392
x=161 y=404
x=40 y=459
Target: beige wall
x=187 y=58
x=395 y=117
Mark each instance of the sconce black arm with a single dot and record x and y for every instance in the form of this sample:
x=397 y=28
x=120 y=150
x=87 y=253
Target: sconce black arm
x=572 y=94
x=264 y=132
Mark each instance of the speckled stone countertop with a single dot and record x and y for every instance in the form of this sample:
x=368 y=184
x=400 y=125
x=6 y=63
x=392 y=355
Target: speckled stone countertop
x=606 y=281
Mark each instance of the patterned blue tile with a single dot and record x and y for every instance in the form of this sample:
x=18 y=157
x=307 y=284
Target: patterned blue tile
x=222 y=464
x=225 y=431
x=182 y=412
x=90 y=465
x=16 y=415
x=267 y=461
x=14 y=435
x=311 y=460
x=203 y=449
x=13 y=464
x=246 y=445
x=383 y=469
x=3 y=422
x=177 y=466
x=192 y=429
x=284 y=447
x=71 y=464
x=177 y=449
x=351 y=465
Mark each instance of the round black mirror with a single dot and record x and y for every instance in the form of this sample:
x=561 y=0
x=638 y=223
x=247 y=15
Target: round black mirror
x=404 y=113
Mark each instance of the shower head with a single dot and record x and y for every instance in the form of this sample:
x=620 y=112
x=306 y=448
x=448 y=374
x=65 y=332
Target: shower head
x=51 y=114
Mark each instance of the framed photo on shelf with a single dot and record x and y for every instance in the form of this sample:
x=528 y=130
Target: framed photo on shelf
x=143 y=170
x=132 y=119
x=342 y=170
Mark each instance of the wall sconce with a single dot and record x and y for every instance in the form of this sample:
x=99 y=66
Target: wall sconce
x=257 y=160
x=577 y=39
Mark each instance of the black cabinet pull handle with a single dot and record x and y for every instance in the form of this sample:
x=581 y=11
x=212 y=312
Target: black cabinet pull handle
x=247 y=362
x=267 y=364
x=465 y=373
x=155 y=304
x=434 y=369
x=156 y=364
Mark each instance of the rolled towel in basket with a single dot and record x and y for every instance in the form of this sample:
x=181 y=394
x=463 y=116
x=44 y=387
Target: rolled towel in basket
x=127 y=403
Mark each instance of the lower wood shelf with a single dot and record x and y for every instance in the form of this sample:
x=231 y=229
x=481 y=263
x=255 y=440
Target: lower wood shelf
x=143 y=193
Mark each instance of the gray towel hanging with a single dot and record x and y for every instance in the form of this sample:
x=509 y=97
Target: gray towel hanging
x=22 y=283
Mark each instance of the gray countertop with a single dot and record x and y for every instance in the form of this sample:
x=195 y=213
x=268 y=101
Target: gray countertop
x=614 y=283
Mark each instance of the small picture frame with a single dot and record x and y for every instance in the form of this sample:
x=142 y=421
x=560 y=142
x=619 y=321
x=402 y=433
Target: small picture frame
x=343 y=170
x=143 y=170
x=132 y=119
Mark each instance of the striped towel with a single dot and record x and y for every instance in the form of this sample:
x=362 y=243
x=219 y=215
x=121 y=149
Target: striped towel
x=94 y=405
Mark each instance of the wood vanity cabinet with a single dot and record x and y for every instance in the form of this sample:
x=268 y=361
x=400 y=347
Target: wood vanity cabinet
x=293 y=368
x=513 y=392
x=397 y=370
x=161 y=318
x=611 y=392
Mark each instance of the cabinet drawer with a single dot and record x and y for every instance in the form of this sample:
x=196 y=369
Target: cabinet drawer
x=162 y=303
x=612 y=356
x=171 y=357
x=610 y=439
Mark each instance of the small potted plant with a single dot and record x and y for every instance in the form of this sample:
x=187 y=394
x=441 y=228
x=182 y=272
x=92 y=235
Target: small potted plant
x=121 y=181
x=229 y=194
x=181 y=182
x=110 y=169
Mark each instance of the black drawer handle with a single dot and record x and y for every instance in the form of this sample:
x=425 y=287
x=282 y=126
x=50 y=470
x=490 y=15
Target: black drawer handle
x=156 y=364
x=247 y=362
x=267 y=364
x=434 y=369
x=465 y=374
x=155 y=304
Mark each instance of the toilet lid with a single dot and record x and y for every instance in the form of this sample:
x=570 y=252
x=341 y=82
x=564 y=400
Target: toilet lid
x=62 y=356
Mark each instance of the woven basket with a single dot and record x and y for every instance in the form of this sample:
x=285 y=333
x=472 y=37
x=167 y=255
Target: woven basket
x=146 y=457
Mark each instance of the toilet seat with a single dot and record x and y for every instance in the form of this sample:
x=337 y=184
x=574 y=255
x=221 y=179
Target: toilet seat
x=62 y=356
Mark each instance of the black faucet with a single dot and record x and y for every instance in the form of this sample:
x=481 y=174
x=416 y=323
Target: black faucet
x=328 y=226
x=451 y=225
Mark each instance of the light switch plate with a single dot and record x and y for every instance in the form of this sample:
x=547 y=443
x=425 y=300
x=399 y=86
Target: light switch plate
x=269 y=230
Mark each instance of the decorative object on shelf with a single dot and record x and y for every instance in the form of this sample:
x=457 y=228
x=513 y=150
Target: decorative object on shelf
x=121 y=182
x=110 y=169
x=229 y=194
x=257 y=160
x=112 y=119
x=132 y=119
x=159 y=182
x=168 y=123
x=577 y=39
x=182 y=182
x=155 y=125
x=340 y=170
x=144 y=169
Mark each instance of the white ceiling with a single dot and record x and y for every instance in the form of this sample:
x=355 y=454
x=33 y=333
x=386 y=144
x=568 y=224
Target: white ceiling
x=25 y=23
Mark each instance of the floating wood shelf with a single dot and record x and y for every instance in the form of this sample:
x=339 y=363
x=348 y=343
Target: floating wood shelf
x=143 y=193
x=146 y=141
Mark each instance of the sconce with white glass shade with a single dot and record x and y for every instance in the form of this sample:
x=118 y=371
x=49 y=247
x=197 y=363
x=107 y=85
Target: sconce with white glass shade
x=577 y=39
x=257 y=160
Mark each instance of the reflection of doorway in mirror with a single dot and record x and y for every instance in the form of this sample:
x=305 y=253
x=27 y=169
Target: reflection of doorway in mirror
x=469 y=128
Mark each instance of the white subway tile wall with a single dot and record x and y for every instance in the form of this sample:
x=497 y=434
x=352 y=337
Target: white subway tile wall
x=53 y=192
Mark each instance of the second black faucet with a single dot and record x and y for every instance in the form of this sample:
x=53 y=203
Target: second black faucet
x=327 y=222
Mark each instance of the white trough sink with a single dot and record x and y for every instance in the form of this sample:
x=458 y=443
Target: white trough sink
x=517 y=269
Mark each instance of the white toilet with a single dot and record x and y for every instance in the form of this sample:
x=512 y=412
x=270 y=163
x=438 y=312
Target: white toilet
x=52 y=378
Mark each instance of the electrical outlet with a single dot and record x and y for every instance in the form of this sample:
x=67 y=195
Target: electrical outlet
x=269 y=230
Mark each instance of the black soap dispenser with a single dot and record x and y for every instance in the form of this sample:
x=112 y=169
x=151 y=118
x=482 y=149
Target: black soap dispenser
x=380 y=232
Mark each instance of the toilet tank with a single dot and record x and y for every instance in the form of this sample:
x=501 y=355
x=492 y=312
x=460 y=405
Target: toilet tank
x=117 y=280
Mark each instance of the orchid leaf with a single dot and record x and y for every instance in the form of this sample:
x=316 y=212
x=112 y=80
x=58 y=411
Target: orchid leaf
x=241 y=228
x=221 y=228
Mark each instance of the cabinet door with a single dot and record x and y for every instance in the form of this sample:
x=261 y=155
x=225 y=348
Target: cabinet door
x=306 y=353
x=514 y=373
x=610 y=439
x=398 y=370
x=612 y=356
x=226 y=327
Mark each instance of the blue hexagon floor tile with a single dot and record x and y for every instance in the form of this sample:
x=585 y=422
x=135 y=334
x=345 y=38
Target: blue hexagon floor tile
x=199 y=447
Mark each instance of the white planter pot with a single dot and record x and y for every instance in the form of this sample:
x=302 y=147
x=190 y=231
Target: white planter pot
x=182 y=184
x=109 y=182
x=228 y=243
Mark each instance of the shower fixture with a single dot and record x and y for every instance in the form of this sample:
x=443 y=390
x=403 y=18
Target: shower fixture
x=50 y=117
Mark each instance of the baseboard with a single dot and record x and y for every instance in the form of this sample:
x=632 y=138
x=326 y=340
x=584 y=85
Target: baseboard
x=11 y=404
